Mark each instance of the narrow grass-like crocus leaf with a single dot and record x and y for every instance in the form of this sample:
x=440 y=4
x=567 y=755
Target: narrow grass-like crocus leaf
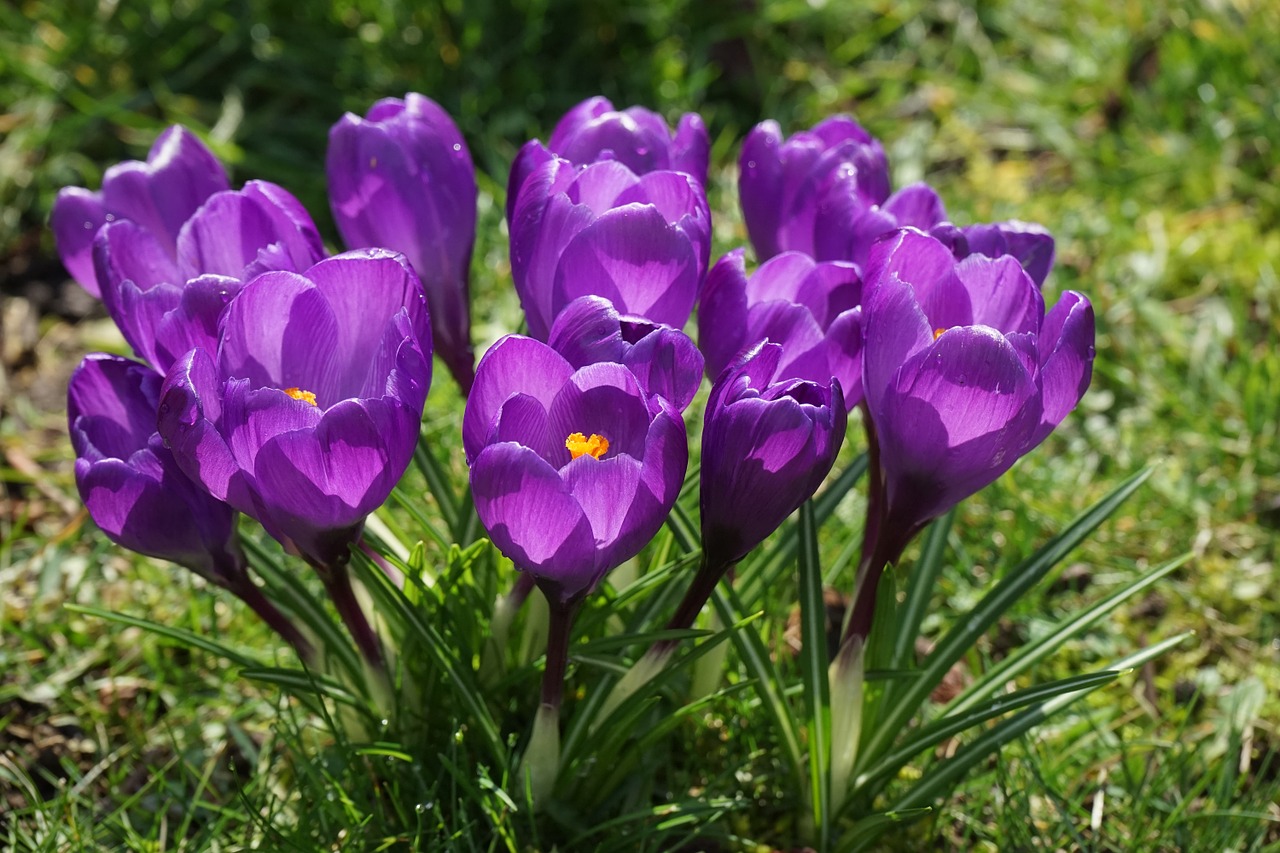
x=768 y=681
x=1017 y=663
x=438 y=482
x=941 y=729
x=813 y=670
x=971 y=626
x=181 y=636
x=469 y=692
x=920 y=584
x=945 y=774
x=413 y=505
x=302 y=684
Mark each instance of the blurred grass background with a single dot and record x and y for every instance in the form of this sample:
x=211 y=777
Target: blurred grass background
x=1144 y=134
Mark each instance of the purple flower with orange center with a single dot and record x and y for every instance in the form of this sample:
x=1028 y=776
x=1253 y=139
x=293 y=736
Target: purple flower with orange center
x=307 y=413
x=573 y=470
x=402 y=178
x=640 y=241
x=159 y=195
x=813 y=309
x=638 y=138
x=964 y=373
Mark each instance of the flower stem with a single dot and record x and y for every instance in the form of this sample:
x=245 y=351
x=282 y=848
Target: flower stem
x=247 y=591
x=337 y=581
x=542 y=755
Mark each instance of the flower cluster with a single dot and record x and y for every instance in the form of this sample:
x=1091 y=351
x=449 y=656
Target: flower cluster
x=289 y=385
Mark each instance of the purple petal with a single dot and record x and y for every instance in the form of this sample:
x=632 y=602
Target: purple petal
x=1066 y=352
x=280 y=332
x=602 y=399
x=513 y=365
x=1001 y=294
x=722 y=313
x=760 y=176
x=532 y=518
x=588 y=330
x=916 y=206
x=76 y=217
x=635 y=259
x=190 y=408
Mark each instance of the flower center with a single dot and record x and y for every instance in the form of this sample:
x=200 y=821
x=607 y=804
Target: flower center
x=579 y=445
x=938 y=332
x=298 y=394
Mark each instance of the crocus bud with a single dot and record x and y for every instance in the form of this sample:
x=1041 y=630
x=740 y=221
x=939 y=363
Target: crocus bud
x=664 y=360
x=573 y=470
x=640 y=241
x=167 y=301
x=129 y=481
x=766 y=447
x=402 y=178
x=813 y=309
x=636 y=137
x=964 y=373
x=159 y=195
x=307 y=414
x=782 y=184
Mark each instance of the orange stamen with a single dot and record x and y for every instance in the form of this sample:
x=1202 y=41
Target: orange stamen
x=579 y=445
x=299 y=394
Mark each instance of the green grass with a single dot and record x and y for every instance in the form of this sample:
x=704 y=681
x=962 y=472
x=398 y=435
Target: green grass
x=1142 y=135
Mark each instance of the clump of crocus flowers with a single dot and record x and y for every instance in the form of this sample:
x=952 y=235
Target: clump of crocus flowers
x=287 y=384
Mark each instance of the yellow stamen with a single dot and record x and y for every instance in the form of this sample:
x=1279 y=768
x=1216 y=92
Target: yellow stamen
x=938 y=332
x=578 y=444
x=298 y=394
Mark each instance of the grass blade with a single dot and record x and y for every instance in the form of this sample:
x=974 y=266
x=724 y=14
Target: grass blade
x=1015 y=664
x=968 y=628
x=813 y=669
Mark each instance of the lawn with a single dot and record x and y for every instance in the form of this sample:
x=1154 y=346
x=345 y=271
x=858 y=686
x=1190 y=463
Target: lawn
x=1143 y=136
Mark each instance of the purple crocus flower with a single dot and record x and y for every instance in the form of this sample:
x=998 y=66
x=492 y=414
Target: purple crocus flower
x=180 y=173
x=573 y=470
x=664 y=360
x=813 y=309
x=1030 y=243
x=636 y=137
x=167 y=300
x=307 y=414
x=640 y=241
x=129 y=482
x=767 y=444
x=964 y=372
x=402 y=178
x=782 y=184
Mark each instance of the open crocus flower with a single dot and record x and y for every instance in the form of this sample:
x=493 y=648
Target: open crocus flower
x=129 y=482
x=812 y=309
x=767 y=444
x=573 y=470
x=664 y=360
x=640 y=241
x=159 y=195
x=167 y=299
x=636 y=137
x=781 y=183
x=964 y=373
x=307 y=414
x=402 y=178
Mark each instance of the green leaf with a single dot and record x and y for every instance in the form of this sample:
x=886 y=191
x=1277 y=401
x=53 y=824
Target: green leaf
x=944 y=775
x=438 y=482
x=303 y=683
x=181 y=636
x=813 y=670
x=920 y=584
x=970 y=627
x=1017 y=663
x=939 y=730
